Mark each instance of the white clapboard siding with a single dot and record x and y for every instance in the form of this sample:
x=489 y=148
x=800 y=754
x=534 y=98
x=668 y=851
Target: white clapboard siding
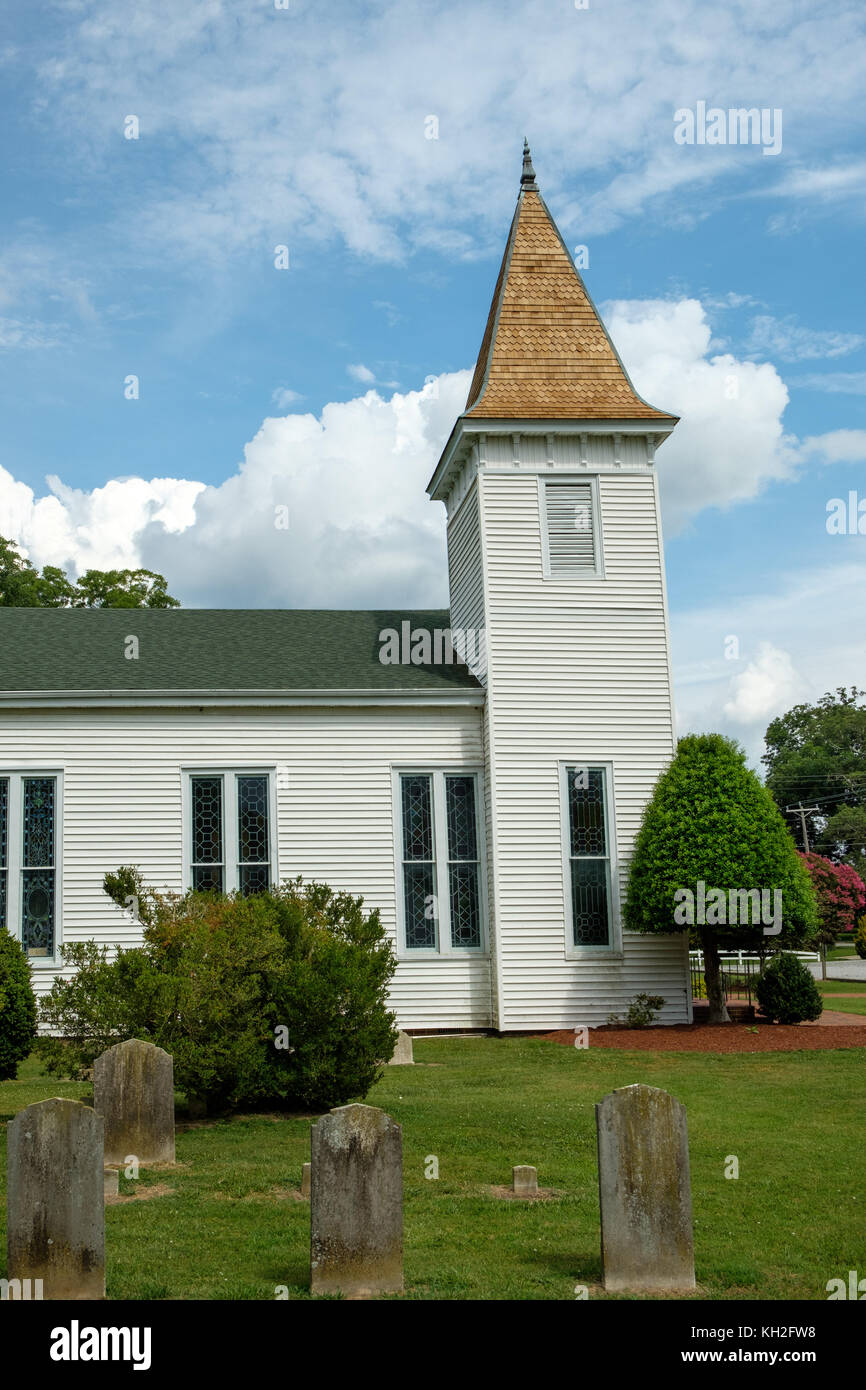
x=466 y=579
x=122 y=784
x=578 y=670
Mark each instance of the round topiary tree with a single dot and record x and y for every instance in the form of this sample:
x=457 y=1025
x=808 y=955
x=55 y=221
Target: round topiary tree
x=786 y=991
x=860 y=938
x=17 y=1007
x=714 y=856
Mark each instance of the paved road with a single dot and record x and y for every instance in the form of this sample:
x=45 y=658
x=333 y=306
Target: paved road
x=854 y=969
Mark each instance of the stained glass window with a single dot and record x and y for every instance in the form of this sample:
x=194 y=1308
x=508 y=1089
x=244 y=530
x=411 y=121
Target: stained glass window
x=231 y=833
x=37 y=874
x=419 y=892
x=590 y=856
x=4 y=863
x=207 y=834
x=463 y=865
x=441 y=885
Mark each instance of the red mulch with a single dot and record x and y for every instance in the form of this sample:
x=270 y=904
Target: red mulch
x=722 y=1037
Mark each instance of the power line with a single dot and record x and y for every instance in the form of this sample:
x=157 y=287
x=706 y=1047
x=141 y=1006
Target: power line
x=802 y=811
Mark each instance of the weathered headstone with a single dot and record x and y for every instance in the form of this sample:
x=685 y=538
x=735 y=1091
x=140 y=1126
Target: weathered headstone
x=112 y=1182
x=133 y=1090
x=524 y=1181
x=56 y=1206
x=356 y=1201
x=643 y=1181
x=403 y=1056
x=305 y=1180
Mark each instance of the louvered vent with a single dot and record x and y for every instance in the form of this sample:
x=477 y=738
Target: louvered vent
x=571 y=525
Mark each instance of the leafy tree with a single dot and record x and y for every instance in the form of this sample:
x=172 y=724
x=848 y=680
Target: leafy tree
x=22 y=586
x=17 y=1006
x=711 y=822
x=816 y=756
x=844 y=837
x=840 y=893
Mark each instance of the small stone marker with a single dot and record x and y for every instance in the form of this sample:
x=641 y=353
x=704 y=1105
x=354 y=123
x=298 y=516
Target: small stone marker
x=524 y=1181
x=133 y=1090
x=305 y=1180
x=112 y=1182
x=403 y=1052
x=643 y=1182
x=356 y=1203
x=56 y=1204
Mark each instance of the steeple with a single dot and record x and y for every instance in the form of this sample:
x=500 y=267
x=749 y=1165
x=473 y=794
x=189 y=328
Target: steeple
x=545 y=352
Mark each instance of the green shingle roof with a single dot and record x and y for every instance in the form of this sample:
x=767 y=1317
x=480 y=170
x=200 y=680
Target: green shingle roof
x=202 y=649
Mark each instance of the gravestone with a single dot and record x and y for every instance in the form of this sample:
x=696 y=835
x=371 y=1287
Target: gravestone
x=356 y=1203
x=524 y=1180
x=305 y=1180
x=56 y=1225
x=403 y=1056
x=133 y=1090
x=644 y=1192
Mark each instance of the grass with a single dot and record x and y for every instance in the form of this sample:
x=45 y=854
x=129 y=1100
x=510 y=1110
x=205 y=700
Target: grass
x=847 y=1006
x=230 y=1227
x=842 y=986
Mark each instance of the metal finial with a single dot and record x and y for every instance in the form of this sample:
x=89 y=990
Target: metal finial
x=527 y=178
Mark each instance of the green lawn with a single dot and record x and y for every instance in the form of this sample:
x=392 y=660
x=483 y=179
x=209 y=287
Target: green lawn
x=847 y=1006
x=842 y=986
x=231 y=1228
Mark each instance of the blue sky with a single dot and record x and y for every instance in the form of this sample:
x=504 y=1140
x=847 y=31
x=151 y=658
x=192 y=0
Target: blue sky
x=260 y=127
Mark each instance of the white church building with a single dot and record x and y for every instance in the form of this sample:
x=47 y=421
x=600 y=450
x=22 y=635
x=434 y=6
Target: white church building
x=487 y=808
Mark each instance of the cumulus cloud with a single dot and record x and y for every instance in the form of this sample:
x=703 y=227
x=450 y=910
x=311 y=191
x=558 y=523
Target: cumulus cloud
x=351 y=482
x=784 y=650
x=729 y=443
x=768 y=684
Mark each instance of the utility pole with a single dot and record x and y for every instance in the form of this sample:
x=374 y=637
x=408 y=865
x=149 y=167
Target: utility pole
x=802 y=811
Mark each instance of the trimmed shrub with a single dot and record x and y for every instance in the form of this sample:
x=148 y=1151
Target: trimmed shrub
x=17 y=1007
x=860 y=938
x=276 y=999
x=786 y=991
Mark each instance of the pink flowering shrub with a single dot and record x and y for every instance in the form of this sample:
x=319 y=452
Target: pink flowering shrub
x=841 y=895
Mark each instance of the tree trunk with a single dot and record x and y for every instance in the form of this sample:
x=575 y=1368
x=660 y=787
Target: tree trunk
x=713 y=977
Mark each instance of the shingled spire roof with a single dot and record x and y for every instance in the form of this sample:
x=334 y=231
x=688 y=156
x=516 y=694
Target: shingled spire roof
x=545 y=352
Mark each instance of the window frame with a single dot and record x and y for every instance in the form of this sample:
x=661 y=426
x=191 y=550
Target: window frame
x=229 y=804
x=613 y=949
x=15 y=856
x=438 y=772
x=588 y=576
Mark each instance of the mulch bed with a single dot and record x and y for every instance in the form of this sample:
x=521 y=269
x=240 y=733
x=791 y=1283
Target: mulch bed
x=721 y=1037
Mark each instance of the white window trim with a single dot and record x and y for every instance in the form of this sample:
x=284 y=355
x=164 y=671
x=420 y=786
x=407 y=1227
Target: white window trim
x=445 y=949
x=15 y=857
x=614 y=950
x=590 y=576
x=229 y=775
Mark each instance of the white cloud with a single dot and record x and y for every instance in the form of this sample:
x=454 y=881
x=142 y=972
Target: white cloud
x=787 y=651
x=362 y=532
x=837 y=446
x=283 y=397
x=768 y=684
x=361 y=373
x=346 y=156
x=836 y=383
x=729 y=443
x=790 y=341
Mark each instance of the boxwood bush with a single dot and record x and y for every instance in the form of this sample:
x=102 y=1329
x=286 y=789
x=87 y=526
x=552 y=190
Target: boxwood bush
x=17 y=1006
x=277 y=999
x=787 y=992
